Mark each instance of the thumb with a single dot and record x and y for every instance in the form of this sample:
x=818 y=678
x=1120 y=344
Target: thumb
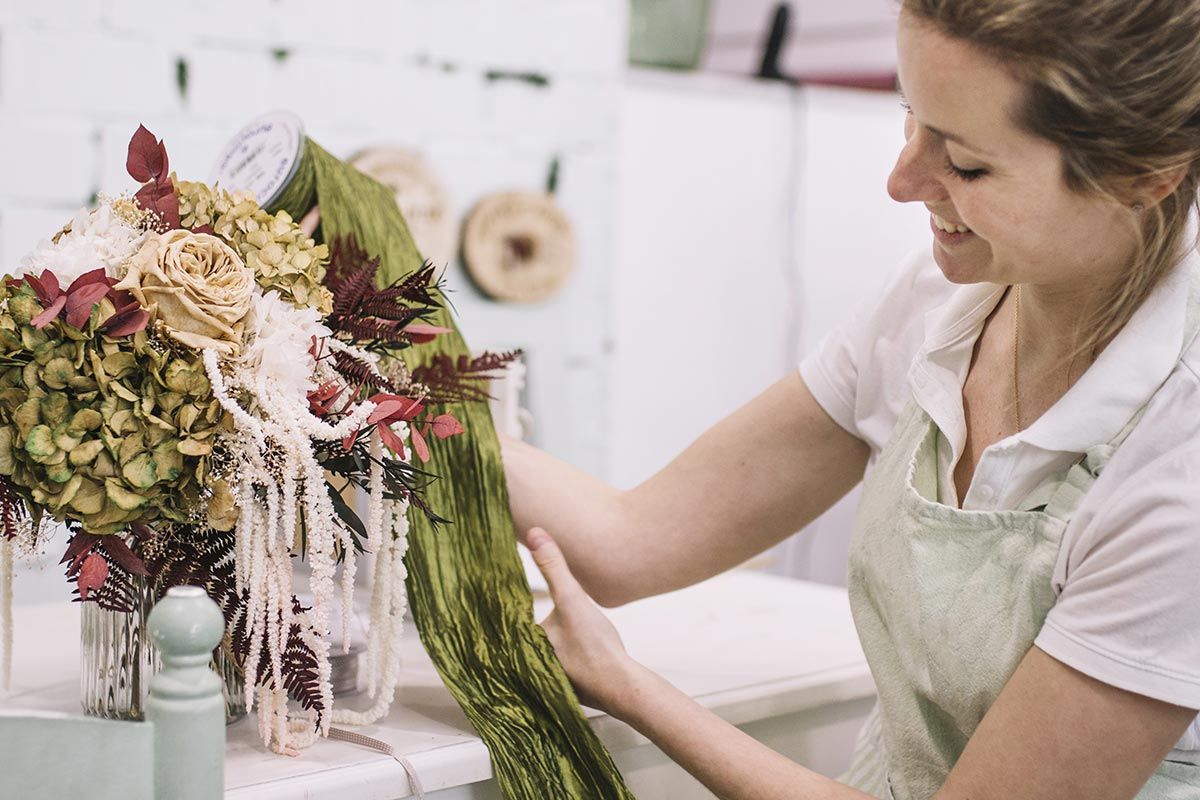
x=552 y=564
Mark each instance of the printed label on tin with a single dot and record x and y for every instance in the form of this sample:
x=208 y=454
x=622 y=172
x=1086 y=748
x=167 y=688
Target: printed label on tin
x=262 y=157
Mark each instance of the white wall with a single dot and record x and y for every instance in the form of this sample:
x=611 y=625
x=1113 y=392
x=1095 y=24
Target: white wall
x=76 y=78
x=705 y=207
x=752 y=219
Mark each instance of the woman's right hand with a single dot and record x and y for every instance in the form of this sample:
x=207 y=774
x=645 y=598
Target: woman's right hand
x=586 y=643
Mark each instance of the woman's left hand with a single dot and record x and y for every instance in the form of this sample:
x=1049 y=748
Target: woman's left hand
x=586 y=643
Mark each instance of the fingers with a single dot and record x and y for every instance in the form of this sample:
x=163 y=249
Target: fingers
x=552 y=564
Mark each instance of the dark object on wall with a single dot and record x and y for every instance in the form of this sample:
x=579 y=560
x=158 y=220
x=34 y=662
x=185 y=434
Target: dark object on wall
x=667 y=33
x=777 y=37
x=532 y=78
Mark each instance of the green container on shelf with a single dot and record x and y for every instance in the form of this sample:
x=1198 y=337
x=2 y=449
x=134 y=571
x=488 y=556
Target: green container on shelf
x=667 y=33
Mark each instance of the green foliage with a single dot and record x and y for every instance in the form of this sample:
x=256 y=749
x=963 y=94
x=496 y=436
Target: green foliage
x=105 y=431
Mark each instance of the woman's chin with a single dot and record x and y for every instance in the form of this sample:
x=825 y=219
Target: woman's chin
x=958 y=267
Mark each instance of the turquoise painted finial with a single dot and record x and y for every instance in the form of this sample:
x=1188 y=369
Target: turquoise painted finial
x=185 y=702
x=186 y=624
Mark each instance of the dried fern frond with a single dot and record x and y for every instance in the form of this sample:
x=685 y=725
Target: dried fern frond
x=451 y=381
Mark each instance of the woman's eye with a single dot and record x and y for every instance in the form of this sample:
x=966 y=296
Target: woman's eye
x=964 y=174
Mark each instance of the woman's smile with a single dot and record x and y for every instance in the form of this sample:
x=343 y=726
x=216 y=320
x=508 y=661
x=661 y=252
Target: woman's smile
x=949 y=233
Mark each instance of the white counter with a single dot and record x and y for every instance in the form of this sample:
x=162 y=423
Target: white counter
x=777 y=657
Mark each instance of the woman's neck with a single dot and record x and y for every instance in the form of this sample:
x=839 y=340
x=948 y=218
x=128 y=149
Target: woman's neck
x=1055 y=320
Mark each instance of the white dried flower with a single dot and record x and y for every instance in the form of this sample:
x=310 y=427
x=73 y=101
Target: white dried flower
x=97 y=238
x=278 y=343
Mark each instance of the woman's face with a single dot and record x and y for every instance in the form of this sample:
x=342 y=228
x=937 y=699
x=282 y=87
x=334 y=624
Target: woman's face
x=976 y=170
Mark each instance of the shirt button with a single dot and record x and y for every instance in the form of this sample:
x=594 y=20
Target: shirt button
x=986 y=493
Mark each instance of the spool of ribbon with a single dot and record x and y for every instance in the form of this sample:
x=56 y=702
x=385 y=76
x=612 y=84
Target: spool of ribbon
x=466 y=586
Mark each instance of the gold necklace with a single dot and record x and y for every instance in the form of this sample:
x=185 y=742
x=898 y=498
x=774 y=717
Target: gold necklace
x=1016 y=358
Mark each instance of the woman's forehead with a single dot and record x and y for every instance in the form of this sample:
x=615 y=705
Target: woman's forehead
x=956 y=89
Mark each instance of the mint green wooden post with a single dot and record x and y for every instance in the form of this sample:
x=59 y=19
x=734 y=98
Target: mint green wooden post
x=185 y=703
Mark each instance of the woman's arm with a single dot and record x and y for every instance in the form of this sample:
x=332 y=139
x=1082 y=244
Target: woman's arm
x=1052 y=734
x=1057 y=734
x=753 y=479
x=726 y=760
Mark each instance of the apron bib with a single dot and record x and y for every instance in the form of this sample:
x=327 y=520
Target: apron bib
x=947 y=602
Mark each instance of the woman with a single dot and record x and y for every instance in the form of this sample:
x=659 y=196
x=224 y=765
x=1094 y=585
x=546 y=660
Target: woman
x=1025 y=568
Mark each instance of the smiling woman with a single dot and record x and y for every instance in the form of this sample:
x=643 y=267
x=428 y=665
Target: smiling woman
x=1024 y=401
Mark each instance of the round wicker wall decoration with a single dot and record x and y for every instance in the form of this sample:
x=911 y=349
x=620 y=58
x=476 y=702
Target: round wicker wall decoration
x=519 y=246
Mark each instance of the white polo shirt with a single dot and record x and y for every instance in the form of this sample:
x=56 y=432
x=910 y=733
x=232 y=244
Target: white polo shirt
x=1128 y=574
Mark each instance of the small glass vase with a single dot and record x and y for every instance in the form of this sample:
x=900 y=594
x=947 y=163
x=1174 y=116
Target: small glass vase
x=117 y=660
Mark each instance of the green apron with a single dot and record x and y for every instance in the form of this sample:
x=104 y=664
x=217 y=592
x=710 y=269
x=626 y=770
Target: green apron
x=947 y=602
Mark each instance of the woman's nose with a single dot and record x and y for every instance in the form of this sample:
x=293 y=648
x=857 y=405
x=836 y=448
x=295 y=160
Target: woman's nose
x=916 y=177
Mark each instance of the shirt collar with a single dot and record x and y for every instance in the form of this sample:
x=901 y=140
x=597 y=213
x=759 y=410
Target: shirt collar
x=1124 y=377
x=940 y=368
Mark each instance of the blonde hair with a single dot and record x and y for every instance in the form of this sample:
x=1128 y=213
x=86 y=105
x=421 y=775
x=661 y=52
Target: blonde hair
x=1116 y=85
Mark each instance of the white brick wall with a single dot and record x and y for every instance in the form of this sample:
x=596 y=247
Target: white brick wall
x=78 y=76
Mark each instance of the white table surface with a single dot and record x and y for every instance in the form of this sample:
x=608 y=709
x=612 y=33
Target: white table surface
x=749 y=646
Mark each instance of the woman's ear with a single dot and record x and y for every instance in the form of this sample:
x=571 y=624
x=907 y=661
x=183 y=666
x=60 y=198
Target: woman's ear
x=1150 y=190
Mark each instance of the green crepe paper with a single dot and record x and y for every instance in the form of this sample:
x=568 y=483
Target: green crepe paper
x=466 y=585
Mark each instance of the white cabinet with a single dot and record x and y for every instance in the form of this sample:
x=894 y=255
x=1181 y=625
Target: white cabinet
x=752 y=218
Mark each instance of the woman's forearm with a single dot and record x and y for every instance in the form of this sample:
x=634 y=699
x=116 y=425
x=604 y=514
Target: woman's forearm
x=729 y=762
x=586 y=514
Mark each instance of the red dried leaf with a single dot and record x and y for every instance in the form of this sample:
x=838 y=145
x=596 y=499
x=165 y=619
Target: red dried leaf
x=50 y=285
x=80 y=545
x=322 y=399
x=126 y=321
x=81 y=302
x=97 y=275
x=384 y=410
x=421 y=333
x=45 y=287
x=393 y=408
x=50 y=314
x=92 y=574
x=391 y=441
x=159 y=197
x=120 y=553
x=147 y=158
x=445 y=425
x=349 y=439
x=419 y=445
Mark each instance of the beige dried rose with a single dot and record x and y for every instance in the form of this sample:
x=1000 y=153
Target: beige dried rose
x=196 y=286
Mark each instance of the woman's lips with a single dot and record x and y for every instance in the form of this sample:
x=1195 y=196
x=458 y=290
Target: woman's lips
x=947 y=238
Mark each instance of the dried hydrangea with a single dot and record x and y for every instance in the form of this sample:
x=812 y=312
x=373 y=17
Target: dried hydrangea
x=105 y=431
x=282 y=256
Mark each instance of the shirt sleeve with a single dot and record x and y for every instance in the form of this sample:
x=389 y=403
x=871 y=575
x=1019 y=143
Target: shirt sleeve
x=1129 y=611
x=860 y=368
